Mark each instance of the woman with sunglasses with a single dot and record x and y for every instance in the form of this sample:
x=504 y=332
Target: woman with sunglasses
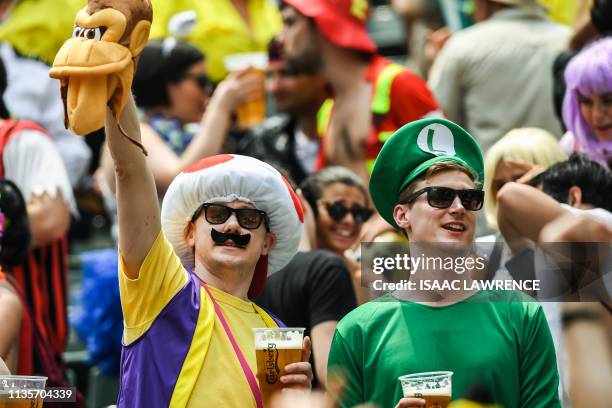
x=340 y=206
x=182 y=120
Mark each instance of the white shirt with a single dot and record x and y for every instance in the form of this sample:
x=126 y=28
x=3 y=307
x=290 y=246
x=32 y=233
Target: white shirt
x=32 y=162
x=598 y=214
x=306 y=151
x=497 y=75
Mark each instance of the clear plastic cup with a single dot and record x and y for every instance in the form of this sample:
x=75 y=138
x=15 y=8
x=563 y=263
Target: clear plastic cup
x=17 y=391
x=253 y=112
x=274 y=349
x=434 y=387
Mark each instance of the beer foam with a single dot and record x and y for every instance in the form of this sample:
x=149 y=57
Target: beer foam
x=238 y=62
x=281 y=339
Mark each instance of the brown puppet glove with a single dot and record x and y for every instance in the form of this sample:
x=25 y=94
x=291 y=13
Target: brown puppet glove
x=96 y=66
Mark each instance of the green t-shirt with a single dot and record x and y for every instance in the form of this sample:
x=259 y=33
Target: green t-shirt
x=504 y=346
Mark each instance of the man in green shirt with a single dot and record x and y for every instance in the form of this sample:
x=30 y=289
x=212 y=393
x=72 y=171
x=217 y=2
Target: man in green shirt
x=427 y=181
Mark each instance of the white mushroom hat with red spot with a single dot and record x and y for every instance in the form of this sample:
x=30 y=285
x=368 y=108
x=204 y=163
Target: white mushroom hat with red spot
x=225 y=178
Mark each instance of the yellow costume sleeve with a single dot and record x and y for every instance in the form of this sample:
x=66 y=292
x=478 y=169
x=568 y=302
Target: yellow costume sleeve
x=160 y=278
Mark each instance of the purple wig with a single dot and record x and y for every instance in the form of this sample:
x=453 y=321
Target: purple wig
x=589 y=72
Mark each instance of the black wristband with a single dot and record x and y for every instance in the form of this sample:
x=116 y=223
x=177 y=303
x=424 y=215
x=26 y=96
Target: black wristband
x=569 y=317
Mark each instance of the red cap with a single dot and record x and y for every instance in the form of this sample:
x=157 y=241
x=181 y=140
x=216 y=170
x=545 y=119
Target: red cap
x=342 y=22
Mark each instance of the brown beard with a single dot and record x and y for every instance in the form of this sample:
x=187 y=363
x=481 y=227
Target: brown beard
x=308 y=60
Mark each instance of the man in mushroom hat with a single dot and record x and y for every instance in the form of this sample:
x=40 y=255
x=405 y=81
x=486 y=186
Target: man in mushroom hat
x=186 y=279
x=427 y=181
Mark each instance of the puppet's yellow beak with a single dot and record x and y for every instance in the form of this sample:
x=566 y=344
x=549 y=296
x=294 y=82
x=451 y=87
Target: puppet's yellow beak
x=92 y=74
x=95 y=69
x=84 y=109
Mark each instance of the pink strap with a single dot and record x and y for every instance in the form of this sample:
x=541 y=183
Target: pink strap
x=245 y=366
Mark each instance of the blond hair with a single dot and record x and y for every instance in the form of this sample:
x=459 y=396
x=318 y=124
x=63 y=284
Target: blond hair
x=530 y=145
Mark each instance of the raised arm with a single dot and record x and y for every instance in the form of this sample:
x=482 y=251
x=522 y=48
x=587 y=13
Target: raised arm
x=10 y=321
x=137 y=205
x=575 y=228
x=587 y=338
x=522 y=212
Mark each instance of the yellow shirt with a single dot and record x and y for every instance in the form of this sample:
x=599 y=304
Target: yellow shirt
x=221 y=367
x=220 y=30
x=221 y=381
x=38 y=28
x=566 y=11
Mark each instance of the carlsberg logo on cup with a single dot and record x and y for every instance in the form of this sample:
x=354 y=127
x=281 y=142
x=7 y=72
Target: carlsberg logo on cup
x=275 y=348
x=436 y=139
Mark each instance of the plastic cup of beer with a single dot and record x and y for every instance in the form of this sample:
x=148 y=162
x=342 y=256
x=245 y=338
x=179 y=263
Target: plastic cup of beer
x=18 y=391
x=275 y=348
x=253 y=112
x=434 y=387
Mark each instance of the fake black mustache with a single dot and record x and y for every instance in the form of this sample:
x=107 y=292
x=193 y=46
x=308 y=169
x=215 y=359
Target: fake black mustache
x=221 y=237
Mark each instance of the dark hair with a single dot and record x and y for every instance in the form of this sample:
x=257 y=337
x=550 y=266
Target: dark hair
x=4 y=114
x=16 y=236
x=275 y=50
x=161 y=63
x=312 y=187
x=594 y=180
x=276 y=56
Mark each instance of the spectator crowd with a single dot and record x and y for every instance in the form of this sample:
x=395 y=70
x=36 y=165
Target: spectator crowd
x=260 y=153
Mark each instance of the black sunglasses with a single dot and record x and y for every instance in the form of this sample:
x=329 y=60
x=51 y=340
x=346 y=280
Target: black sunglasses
x=249 y=218
x=443 y=197
x=286 y=71
x=337 y=211
x=201 y=79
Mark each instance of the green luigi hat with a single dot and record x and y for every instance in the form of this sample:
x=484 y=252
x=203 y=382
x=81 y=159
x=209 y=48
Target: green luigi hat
x=411 y=150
